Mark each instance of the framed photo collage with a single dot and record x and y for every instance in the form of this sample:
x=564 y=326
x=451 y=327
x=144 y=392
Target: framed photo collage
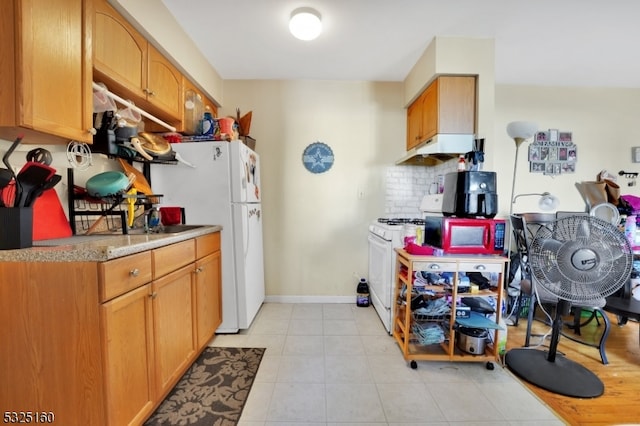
x=552 y=153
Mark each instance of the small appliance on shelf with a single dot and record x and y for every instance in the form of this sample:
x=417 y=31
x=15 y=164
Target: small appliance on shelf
x=470 y=194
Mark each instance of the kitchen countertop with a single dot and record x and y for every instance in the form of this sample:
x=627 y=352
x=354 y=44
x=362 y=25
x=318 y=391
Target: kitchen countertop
x=98 y=247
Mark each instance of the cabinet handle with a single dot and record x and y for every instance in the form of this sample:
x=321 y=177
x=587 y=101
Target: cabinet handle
x=153 y=295
x=434 y=266
x=92 y=131
x=480 y=267
x=148 y=91
x=199 y=269
x=134 y=272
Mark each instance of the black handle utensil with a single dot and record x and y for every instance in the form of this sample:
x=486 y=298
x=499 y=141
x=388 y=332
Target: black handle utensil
x=40 y=155
x=32 y=176
x=5 y=160
x=35 y=193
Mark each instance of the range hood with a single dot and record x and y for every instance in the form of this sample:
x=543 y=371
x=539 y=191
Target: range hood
x=440 y=148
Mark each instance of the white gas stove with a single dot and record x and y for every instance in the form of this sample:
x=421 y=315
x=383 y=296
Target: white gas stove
x=385 y=235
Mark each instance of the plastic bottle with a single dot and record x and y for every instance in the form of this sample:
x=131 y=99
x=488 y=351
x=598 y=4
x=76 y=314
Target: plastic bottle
x=207 y=124
x=362 y=298
x=462 y=165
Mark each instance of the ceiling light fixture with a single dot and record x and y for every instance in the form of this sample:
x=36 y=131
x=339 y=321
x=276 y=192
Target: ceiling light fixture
x=305 y=23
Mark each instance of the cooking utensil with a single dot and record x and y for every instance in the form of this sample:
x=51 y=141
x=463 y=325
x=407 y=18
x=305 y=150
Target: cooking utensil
x=131 y=204
x=93 y=227
x=31 y=176
x=140 y=183
x=183 y=161
x=135 y=142
x=40 y=155
x=5 y=160
x=5 y=177
x=156 y=146
x=9 y=194
x=37 y=192
x=99 y=220
x=107 y=183
x=125 y=133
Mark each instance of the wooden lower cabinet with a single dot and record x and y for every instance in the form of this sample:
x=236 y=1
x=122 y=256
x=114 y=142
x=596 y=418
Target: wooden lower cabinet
x=51 y=356
x=172 y=298
x=129 y=357
x=78 y=343
x=208 y=292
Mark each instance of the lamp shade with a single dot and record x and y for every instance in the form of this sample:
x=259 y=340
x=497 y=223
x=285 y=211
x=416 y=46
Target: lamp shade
x=305 y=23
x=548 y=202
x=521 y=129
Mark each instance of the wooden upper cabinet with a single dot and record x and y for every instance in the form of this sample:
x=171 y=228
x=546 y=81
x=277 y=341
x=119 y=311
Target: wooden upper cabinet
x=456 y=104
x=45 y=55
x=164 y=83
x=447 y=106
x=119 y=51
x=414 y=124
x=132 y=68
x=430 y=111
x=194 y=104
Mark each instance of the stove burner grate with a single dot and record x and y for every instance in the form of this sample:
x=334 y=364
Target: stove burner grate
x=401 y=221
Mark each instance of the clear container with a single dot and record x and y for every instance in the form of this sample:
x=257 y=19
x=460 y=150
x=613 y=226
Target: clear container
x=193 y=113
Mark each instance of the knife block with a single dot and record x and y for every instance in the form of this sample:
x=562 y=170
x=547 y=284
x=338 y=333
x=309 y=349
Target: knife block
x=16 y=227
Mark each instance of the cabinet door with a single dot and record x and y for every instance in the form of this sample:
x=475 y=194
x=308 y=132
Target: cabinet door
x=51 y=81
x=172 y=297
x=119 y=51
x=164 y=84
x=430 y=112
x=456 y=104
x=414 y=123
x=129 y=357
x=208 y=297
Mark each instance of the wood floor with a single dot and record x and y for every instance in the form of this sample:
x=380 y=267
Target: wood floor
x=620 y=403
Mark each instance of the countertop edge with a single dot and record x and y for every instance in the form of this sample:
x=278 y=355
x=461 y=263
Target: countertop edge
x=99 y=248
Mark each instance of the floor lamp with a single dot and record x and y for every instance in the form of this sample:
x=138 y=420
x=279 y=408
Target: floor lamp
x=519 y=131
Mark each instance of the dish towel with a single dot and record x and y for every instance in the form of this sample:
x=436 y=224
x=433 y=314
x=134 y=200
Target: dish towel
x=171 y=215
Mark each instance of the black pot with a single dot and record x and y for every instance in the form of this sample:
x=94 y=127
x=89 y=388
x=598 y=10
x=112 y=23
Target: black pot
x=124 y=134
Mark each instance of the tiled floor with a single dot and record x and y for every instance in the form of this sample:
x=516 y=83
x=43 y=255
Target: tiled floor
x=334 y=364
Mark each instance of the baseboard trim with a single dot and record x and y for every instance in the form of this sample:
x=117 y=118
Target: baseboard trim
x=310 y=299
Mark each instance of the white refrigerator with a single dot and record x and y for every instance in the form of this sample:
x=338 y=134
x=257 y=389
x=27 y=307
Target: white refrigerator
x=222 y=189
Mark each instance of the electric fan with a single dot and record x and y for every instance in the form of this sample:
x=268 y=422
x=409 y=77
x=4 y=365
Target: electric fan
x=581 y=260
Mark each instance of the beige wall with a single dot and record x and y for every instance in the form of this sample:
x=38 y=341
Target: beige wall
x=603 y=123
x=315 y=225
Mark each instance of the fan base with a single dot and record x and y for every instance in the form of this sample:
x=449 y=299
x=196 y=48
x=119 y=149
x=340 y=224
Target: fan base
x=562 y=376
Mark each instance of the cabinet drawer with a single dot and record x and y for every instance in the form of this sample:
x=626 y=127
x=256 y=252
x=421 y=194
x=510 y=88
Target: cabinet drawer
x=481 y=267
x=207 y=244
x=121 y=275
x=435 y=267
x=169 y=258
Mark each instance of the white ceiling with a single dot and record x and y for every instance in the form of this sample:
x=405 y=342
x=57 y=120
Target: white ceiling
x=542 y=42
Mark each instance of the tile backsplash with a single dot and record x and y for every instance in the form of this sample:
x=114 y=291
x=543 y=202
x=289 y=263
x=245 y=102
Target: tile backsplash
x=406 y=185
